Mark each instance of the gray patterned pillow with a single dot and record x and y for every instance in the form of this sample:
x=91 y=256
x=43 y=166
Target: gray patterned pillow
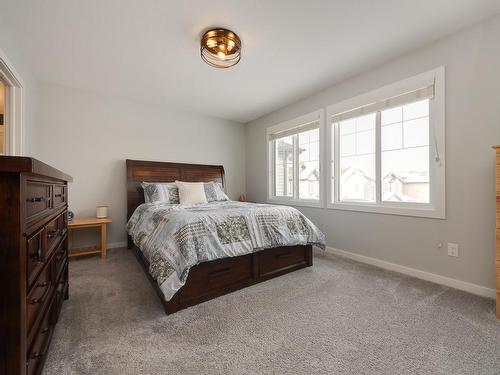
x=168 y=192
x=160 y=192
x=214 y=192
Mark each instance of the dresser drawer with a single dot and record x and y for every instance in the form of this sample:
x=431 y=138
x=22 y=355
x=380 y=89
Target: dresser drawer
x=54 y=231
x=59 y=195
x=214 y=275
x=35 y=255
x=36 y=354
x=60 y=258
x=39 y=297
x=271 y=262
x=61 y=291
x=38 y=199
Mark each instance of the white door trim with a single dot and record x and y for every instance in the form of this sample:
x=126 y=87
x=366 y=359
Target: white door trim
x=14 y=107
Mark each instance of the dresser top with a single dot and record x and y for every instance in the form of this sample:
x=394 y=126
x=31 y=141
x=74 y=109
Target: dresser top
x=497 y=147
x=22 y=164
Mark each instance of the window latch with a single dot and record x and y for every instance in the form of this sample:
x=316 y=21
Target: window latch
x=437 y=158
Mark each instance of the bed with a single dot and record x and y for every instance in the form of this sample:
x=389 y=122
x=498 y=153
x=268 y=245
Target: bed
x=203 y=275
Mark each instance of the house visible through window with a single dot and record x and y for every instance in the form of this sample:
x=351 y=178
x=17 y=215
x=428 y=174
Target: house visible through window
x=405 y=153
x=308 y=150
x=387 y=149
x=295 y=162
x=284 y=176
x=357 y=159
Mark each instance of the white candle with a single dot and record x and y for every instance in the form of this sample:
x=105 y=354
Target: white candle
x=101 y=212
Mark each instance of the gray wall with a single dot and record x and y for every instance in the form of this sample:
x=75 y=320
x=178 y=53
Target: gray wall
x=472 y=60
x=89 y=136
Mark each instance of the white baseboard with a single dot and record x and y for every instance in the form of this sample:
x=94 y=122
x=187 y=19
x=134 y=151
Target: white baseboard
x=114 y=245
x=438 y=279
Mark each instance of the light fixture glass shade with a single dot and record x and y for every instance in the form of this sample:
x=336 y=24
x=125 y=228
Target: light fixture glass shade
x=220 y=48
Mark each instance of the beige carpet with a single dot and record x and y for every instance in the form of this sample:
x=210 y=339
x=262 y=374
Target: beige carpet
x=338 y=317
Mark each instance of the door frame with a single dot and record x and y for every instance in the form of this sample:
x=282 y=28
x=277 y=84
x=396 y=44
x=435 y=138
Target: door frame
x=13 y=107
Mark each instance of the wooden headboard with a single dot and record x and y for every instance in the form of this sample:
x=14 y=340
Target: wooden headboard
x=156 y=171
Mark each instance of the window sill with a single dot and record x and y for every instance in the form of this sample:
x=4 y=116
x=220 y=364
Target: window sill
x=296 y=202
x=415 y=211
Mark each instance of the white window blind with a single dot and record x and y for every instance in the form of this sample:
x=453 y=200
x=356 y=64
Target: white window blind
x=426 y=92
x=294 y=130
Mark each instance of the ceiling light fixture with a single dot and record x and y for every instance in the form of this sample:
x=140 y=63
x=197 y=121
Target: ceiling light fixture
x=220 y=48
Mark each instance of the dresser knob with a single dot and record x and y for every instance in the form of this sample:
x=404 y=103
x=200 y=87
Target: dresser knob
x=36 y=355
x=40 y=300
x=36 y=199
x=52 y=233
x=37 y=254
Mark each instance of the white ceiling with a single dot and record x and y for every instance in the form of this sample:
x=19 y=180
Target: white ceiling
x=149 y=50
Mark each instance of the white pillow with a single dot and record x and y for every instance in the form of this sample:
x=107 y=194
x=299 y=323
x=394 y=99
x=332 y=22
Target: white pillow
x=191 y=192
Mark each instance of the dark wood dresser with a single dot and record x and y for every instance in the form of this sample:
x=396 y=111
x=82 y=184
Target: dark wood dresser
x=34 y=260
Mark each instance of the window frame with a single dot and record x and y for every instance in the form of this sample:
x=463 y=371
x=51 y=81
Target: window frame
x=318 y=116
x=436 y=207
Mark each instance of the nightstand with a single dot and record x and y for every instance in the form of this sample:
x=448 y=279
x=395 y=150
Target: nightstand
x=102 y=225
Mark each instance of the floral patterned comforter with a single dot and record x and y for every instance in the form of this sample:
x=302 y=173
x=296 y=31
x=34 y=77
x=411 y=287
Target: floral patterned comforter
x=174 y=238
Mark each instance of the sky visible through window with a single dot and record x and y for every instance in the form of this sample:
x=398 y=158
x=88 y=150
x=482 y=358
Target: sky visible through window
x=357 y=158
x=404 y=155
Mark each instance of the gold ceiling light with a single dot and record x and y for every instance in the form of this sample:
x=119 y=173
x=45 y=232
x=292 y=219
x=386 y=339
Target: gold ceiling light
x=220 y=48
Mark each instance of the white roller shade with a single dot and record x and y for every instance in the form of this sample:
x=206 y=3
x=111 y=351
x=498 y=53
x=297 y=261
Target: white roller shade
x=426 y=92
x=295 y=130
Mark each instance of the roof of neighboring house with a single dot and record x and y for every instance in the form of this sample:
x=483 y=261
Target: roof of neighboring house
x=410 y=177
x=308 y=172
x=349 y=172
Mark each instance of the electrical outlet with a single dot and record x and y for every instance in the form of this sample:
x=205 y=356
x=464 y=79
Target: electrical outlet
x=452 y=249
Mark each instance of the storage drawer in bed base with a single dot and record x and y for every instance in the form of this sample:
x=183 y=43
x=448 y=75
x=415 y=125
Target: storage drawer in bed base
x=216 y=278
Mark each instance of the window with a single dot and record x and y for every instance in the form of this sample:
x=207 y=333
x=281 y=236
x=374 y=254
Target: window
x=283 y=171
x=405 y=153
x=387 y=149
x=295 y=161
x=357 y=159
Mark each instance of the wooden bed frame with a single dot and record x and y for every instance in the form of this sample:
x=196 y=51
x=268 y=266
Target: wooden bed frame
x=215 y=278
